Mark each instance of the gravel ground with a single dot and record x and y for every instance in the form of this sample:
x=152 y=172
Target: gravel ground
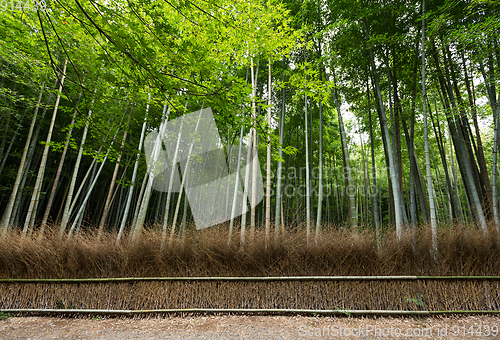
x=251 y=327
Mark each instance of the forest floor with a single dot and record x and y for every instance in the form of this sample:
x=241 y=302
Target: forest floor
x=252 y=327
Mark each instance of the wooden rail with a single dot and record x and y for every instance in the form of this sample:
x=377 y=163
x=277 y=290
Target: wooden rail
x=265 y=278
x=249 y=311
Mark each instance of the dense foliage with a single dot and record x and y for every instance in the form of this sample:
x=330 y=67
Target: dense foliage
x=333 y=89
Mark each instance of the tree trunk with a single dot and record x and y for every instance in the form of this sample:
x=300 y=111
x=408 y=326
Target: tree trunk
x=451 y=194
x=279 y=199
x=385 y=132
x=69 y=197
x=495 y=168
x=235 y=192
x=308 y=192
x=480 y=151
x=185 y=176
x=16 y=132
x=245 y=190
x=10 y=205
x=320 y=158
x=113 y=180
x=495 y=106
x=31 y=216
x=350 y=188
x=268 y=165
x=411 y=146
x=253 y=200
x=83 y=205
x=374 y=192
x=460 y=149
x=141 y=216
x=430 y=190
x=173 y=172
x=61 y=163
x=134 y=174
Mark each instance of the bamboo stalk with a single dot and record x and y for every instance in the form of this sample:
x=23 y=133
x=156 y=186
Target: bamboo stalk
x=254 y=278
x=4 y=223
x=247 y=310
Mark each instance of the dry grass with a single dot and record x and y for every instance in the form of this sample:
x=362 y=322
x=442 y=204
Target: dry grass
x=463 y=251
x=206 y=253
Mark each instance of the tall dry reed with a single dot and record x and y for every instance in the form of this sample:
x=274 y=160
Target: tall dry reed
x=462 y=251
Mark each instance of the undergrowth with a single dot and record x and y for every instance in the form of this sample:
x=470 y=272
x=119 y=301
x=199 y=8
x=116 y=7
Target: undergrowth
x=462 y=251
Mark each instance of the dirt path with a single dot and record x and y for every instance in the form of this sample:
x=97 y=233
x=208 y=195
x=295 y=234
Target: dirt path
x=251 y=327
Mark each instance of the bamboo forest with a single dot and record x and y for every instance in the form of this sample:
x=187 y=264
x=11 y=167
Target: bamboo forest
x=345 y=137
